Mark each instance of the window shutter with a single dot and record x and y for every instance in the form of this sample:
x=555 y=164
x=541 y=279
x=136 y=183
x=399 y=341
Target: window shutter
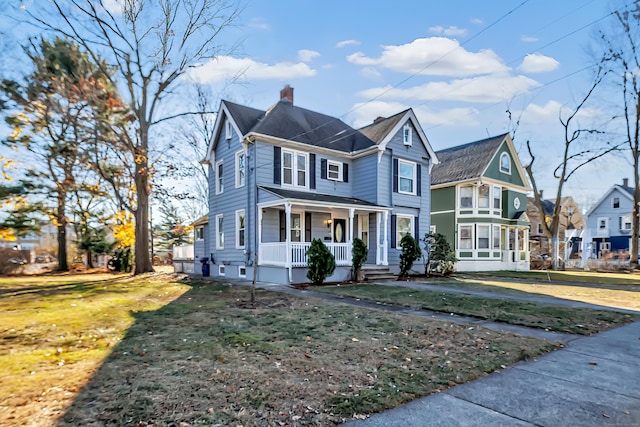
x=307 y=226
x=283 y=225
x=323 y=168
x=312 y=171
x=345 y=172
x=395 y=175
x=416 y=226
x=277 y=165
x=393 y=231
x=418 y=180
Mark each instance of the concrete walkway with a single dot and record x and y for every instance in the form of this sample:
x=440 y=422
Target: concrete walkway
x=592 y=381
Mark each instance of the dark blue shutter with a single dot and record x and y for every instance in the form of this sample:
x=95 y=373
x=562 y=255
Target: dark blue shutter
x=277 y=166
x=312 y=172
x=323 y=168
x=393 y=231
x=395 y=175
x=416 y=226
x=345 y=172
x=418 y=179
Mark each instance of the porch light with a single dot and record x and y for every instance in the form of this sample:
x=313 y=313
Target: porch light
x=329 y=222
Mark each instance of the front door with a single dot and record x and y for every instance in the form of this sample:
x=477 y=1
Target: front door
x=339 y=230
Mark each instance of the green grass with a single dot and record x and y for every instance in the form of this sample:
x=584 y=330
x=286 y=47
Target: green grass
x=545 y=316
x=566 y=276
x=150 y=350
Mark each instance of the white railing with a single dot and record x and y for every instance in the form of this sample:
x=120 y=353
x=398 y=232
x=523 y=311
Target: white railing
x=183 y=252
x=275 y=253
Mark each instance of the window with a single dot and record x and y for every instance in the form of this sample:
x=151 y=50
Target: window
x=240 y=169
x=539 y=228
x=294 y=168
x=219 y=231
x=466 y=237
x=363 y=228
x=228 y=129
x=406 y=177
x=334 y=171
x=242 y=271
x=505 y=163
x=407 y=136
x=484 y=232
x=240 y=228
x=615 y=202
x=221 y=270
x=605 y=246
x=625 y=223
x=496 y=237
x=483 y=196
x=296 y=227
x=219 y=178
x=603 y=223
x=466 y=197
x=404 y=226
x=199 y=233
x=497 y=197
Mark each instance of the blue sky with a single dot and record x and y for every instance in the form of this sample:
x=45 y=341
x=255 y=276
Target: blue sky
x=459 y=64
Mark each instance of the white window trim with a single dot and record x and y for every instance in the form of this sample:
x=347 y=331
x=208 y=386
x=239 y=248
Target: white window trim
x=496 y=190
x=218 y=231
x=414 y=177
x=407 y=135
x=509 y=158
x=339 y=165
x=472 y=238
x=294 y=168
x=238 y=155
x=219 y=188
x=238 y=213
x=242 y=271
x=489 y=240
x=202 y=235
x=411 y=228
x=473 y=197
x=495 y=231
x=489 y=198
x=605 y=246
x=228 y=129
x=625 y=222
x=613 y=206
x=221 y=270
x=361 y=221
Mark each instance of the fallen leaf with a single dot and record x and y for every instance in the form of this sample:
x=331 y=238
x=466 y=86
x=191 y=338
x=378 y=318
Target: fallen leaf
x=308 y=338
x=592 y=363
x=307 y=355
x=355 y=339
x=625 y=412
x=606 y=416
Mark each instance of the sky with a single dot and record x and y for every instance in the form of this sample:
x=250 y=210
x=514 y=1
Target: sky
x=460 y=65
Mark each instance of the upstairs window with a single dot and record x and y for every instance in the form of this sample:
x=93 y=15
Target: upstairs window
x=466 y=197
x=406 y=177
x=219 y=178
x=240 y=169
x=483 y=196
x=497 y=197
x=199 y=233
x=294 y=168
x=228 y=129
x=625 y=223
x=334 y=171
x=603 y=223
x=615 y=202
x=407 y=136
x=505 y=163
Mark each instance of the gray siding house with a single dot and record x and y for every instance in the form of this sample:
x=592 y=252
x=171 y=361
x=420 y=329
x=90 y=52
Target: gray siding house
x=282 y=177
x=609 y=221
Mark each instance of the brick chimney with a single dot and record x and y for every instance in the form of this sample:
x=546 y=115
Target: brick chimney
x=625 y=182
x=287 y=93
x=378 y=119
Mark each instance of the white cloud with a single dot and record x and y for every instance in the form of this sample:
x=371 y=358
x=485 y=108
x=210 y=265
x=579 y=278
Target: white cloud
x=306 y=55
x=364 y=114
x=528 y=39
x=538 y=63
x=345 y=43
x=477 y=21
x=227 y=67
x=370 y=73
x=113 y=6
x=433 y=56
x=548 y=114
x=450 y=31
x=483 y=89
x=259 y=23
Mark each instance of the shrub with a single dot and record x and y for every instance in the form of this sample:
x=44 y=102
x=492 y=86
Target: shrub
x=321 y=262
x=359 y=253
x=410 y=252
x=441 y=258
x=122 y=260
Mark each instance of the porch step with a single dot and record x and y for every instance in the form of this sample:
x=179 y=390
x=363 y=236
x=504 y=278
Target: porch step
x=377 y=273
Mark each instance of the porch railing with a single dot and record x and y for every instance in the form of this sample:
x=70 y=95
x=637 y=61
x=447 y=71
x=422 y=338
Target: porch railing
x=275 y=253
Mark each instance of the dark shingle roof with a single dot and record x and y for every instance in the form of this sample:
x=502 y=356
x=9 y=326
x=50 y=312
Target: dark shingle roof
x=244 y=117
x=316 y=197
x=627 y=189
x=466 y=161
x=377 y=131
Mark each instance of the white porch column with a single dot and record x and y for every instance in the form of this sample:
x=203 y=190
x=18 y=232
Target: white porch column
x=259 y=240
x=351 y=212
x=378 y=251
x=385 y=243
x=515 y=246
x=287 y=222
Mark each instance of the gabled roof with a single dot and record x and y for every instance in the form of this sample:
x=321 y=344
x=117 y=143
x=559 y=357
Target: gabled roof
x=379 y=129
x=317 y=197
x=465 y=162
x=244 y=117
x=624 y=190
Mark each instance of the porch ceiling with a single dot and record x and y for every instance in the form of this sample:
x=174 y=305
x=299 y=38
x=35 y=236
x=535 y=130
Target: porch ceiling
x=325 y=200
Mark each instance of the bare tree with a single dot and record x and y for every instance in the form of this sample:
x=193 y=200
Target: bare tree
x=620 y=50
x=151 y=44
x=576 y=153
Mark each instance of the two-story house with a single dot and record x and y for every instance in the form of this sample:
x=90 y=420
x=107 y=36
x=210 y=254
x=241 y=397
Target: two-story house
x=282 y=177
x=609 y=221
x=479 y=202
x=570 y=226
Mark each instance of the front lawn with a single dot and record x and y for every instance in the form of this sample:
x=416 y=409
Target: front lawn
x=546 y=316
x=155 y=351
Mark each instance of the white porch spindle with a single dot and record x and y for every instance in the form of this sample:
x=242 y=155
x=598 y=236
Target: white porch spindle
x=260 y=255
x=378 y=246
x=287 y=262
x=385 y=244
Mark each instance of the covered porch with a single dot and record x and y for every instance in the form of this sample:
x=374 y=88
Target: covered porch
x=287 y=225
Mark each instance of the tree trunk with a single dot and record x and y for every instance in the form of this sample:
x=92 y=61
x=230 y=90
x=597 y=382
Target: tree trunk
x=63 y=264
x=633 y=260
x=142 y=260
x=89 y=256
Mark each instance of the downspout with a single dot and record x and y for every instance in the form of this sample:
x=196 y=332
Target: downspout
x=247 y=217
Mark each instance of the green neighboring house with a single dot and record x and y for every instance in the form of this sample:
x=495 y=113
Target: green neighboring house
x=479 y=202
